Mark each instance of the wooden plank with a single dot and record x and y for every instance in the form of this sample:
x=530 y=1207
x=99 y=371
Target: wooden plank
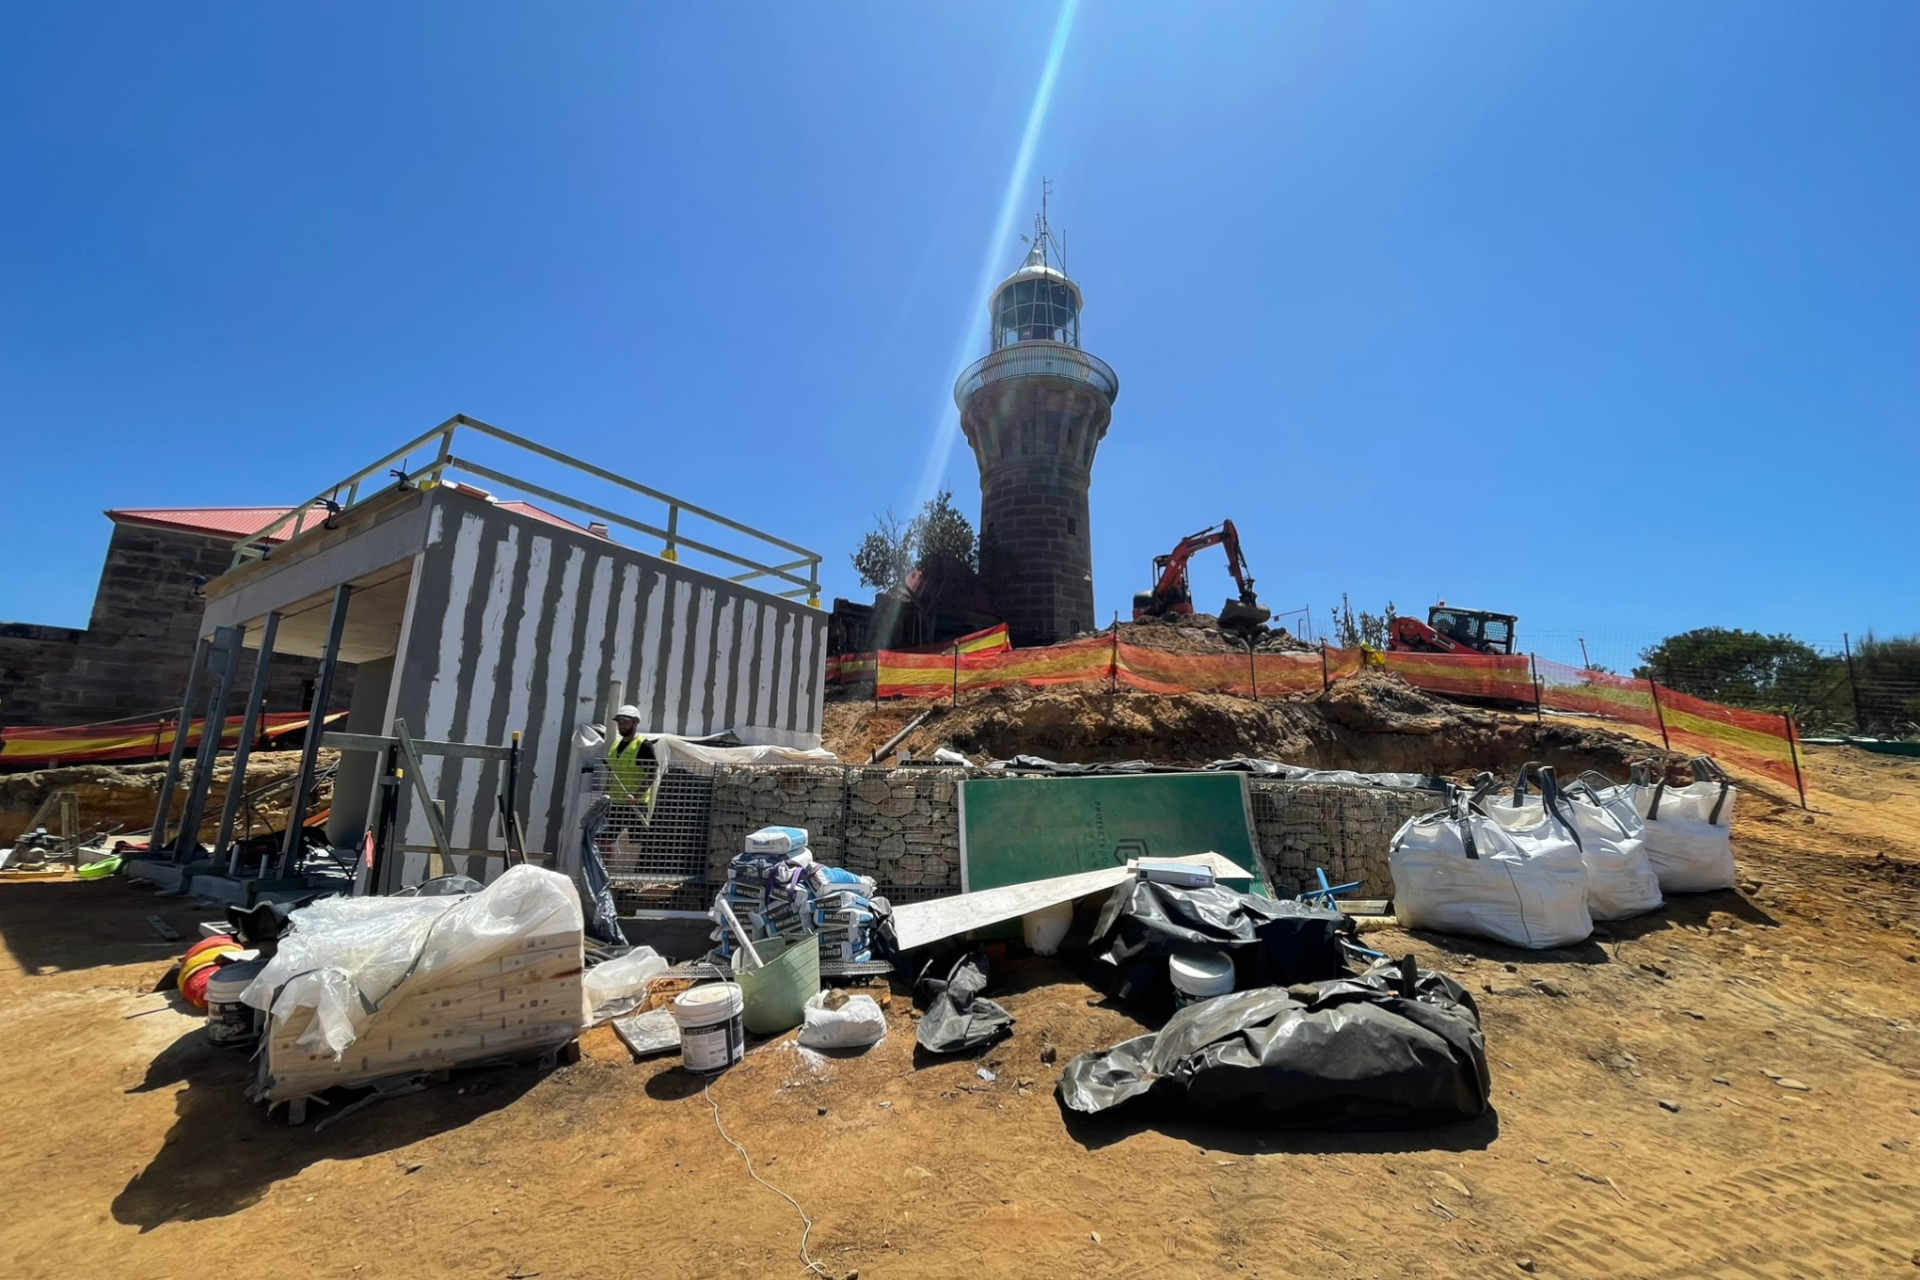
x=915 y=924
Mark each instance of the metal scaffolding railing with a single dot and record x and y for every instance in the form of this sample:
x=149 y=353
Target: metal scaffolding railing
x=784 y=561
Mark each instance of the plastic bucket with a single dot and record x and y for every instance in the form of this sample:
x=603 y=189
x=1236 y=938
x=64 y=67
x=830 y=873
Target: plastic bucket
x=776 y=993
x=230 y=1021
x=1044 y=930
x=709 y=1019
x=1201 y=975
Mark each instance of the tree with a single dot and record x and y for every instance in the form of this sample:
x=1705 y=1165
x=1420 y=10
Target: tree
x=1740 y=668
x=1369 y=629
x=1888 y=675
x=931 y=560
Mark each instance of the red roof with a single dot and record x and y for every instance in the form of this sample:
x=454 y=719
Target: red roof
x=238 y=522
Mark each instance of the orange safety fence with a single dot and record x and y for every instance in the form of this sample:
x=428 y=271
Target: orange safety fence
x=845 y=667
x=1597 y=693
x=929 y=675
x=1755 y=740
x=1264 y=674
x=41 y=745
x=1752 y=739
x=1507 y=677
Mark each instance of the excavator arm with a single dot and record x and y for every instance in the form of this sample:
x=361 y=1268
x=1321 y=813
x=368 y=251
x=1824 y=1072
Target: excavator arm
x=1170 y=594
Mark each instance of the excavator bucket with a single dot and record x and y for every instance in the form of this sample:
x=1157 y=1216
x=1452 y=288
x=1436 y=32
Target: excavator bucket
x=1239 y=617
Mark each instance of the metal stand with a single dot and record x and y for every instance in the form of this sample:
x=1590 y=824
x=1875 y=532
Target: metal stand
x=316 y=725
x=161 y=810
x=401 y=755
x=243 y=749
x=224 y=659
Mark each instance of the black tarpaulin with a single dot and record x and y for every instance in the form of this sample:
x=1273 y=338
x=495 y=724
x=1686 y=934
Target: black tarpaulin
x=1272 y=943
x=1387 y=1049
x=958 y=1017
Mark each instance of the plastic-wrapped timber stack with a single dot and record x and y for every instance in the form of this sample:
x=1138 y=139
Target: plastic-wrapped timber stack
x=365 y=988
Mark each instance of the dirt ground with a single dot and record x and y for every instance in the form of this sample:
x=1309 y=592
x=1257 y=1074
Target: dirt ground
x=1729 y=1088
x=1372 y=722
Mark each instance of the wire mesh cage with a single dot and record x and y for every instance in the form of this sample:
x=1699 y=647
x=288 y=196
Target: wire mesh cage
x=655 y=852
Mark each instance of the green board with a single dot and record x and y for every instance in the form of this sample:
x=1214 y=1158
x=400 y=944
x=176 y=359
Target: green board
x=1013 y=830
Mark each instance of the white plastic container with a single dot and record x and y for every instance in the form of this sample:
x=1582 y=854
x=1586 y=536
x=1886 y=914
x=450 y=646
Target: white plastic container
x=1044 y=930
x=1200 y=976
x=230 y=1020
x=712 y=1037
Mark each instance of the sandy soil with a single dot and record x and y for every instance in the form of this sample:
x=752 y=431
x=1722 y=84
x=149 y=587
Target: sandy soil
x=1778 y=1022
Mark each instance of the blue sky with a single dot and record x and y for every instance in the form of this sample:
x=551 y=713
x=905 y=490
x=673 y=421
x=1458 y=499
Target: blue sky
x=1603 y=314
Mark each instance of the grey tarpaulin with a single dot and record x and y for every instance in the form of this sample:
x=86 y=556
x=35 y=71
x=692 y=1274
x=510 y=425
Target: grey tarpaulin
x=1238 y=764
x=958 y=1017
x=1391 y=1048
x=1272 y=943
x=602 y=915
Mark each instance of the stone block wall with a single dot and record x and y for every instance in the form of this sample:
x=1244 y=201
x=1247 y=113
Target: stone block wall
x=132 y=658
x=1342 y=828
x=902 y=826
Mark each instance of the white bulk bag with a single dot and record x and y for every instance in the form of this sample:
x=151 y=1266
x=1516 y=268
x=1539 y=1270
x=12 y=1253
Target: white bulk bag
x=1688 y=830
x=1620 y=880
x=1459 y=871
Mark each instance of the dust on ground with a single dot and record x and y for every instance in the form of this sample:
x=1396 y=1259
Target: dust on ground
x=1730 y=1087
x=1373 y=722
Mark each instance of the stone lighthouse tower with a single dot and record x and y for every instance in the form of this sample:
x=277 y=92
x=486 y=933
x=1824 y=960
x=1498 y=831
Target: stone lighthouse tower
x=1035 y=410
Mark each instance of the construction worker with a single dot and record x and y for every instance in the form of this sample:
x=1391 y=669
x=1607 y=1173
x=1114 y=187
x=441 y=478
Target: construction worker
x=630 y=770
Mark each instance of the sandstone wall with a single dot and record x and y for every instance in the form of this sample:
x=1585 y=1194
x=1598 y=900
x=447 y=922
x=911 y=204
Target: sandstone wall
x=133 y=657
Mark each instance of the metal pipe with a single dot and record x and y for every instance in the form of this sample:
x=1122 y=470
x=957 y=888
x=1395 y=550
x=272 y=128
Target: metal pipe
x=615 y=478
x=316 y=726
x=158 y=836
x=1793 y=750
x=243 y=749
x=226 y=648
x=540 y=491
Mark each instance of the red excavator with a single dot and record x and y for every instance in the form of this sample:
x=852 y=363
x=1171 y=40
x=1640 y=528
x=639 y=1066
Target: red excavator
x=1171 y=599
x=1452 y=630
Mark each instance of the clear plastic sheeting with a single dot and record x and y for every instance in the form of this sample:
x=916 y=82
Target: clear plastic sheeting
x=1459 y=871
x=344 y=957
x=620 y=985
x=1392 y=1048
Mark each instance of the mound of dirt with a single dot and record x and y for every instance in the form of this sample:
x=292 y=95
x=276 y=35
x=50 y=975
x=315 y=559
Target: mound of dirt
x=121 y=797
x=1372 y=723
x=1201 y=633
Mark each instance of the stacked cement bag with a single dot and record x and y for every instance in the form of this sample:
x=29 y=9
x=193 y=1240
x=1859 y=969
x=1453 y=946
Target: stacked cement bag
x=777 y=890
x=1620 y=880
x=1459 y=871
x=1688 y=829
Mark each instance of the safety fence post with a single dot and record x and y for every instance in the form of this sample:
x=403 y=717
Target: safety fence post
x=1325 y=683
x=1113 y=658
x=956 y=673
x=1793 y=750
x=1533 y=661
x=1654 y=689
x=1853 y=683
x=1253 y=676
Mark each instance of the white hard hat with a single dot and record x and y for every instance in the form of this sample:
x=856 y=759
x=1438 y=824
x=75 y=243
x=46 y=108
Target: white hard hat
x=627 y=712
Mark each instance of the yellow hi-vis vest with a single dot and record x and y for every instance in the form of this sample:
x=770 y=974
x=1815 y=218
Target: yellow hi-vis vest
x=623 y=762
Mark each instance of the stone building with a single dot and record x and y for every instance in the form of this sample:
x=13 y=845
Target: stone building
x=1034 y=410
x=131 y=658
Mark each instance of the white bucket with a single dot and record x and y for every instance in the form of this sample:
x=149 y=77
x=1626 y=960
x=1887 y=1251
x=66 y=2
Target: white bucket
x=711 y=1035
x=230 y=1021
x=1044 y=930
x=1200 y=976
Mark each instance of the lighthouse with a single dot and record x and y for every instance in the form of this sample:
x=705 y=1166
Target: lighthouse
x=1034 y=410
